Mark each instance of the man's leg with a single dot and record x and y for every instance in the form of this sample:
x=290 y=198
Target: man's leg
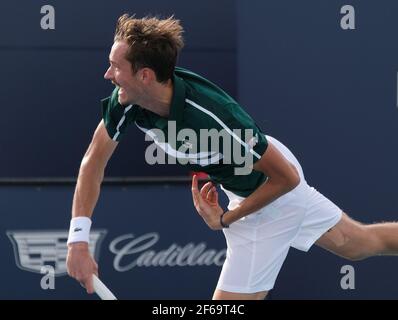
x=355 y=241
x=225 y=295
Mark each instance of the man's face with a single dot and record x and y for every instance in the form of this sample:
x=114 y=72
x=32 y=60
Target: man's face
x=121 y=74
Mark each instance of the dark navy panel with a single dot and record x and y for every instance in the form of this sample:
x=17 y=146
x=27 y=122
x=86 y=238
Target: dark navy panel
x=92 y=23
x=52 y=107
x=331 y=96
x=132 y=212
x=53 y=80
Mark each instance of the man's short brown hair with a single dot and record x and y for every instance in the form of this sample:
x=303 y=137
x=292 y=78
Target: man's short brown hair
x=153 y=43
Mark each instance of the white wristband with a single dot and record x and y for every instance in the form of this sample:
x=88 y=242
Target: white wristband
x=79 y=230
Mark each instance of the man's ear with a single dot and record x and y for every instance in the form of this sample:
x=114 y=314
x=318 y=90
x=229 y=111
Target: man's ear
x=147 y=75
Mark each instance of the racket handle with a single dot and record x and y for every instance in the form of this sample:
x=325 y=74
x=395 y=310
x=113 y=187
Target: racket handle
x=103 y=292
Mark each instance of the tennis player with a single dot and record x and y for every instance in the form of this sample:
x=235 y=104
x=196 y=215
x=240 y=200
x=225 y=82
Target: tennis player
x=271 y=208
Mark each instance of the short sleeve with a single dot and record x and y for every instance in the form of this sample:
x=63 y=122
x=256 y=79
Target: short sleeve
x=247 y=134
x=116 y=117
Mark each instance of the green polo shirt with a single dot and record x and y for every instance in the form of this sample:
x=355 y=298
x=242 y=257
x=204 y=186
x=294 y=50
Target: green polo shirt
x=201 y=114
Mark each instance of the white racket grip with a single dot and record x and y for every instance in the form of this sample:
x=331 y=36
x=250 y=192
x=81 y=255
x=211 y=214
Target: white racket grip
x=103 y=292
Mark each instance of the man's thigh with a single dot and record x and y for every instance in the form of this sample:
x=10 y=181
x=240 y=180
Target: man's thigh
x=346 y=239
x=225 y=295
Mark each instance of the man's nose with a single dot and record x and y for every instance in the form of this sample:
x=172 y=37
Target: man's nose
x=108 y=74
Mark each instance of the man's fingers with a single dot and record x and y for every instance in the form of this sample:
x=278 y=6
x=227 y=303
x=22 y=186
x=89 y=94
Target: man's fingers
x=205 y=189
x=96 y=269
x=215 y=195
x=195 y=191
x=88 y=284
x=211 y=195
x=194 y=183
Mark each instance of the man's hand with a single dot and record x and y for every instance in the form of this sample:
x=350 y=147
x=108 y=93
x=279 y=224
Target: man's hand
x=206 y=203
x=81 y=265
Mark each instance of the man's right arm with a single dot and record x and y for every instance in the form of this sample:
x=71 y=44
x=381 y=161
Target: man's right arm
x=91 y=172
x=80 y=263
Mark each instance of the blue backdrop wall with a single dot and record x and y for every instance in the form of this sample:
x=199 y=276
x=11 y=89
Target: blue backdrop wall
x=53 y=79
x=151 y=244
x=329 y=94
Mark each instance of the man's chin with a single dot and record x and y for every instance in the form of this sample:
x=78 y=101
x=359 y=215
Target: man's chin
x=123 y=102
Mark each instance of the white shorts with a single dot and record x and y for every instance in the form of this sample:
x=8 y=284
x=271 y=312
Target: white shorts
x=257 y=244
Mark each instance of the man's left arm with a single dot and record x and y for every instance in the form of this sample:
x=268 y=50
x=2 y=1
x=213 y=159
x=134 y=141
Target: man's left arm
x=282 y=178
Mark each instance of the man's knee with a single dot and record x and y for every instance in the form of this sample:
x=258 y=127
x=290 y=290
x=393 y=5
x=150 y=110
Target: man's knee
x=355 y=255
x=366 y=245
